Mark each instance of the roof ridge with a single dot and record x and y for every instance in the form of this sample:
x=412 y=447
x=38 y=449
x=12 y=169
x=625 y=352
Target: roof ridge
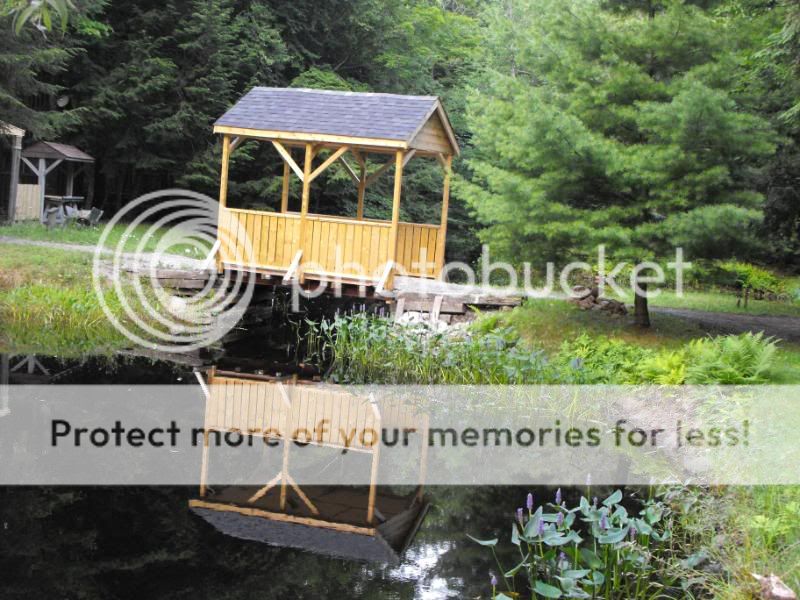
x=343 y=92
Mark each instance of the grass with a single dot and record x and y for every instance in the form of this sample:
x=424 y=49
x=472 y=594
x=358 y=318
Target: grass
x=547 y=323
x=721 y=301
x=90 y=236
x=48 y=304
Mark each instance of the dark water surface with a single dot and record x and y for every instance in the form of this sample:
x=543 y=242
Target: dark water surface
x=145 y=543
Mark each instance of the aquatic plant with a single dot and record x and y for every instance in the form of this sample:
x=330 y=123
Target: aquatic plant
x=594 y=550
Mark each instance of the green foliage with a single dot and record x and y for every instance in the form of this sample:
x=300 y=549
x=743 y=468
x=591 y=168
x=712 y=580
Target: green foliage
x=743 y=359
x=611 y=126
x=599 y=359
x=40 y=13
x=321 y=79
x=361 y=348
x=751 y=277
x=593 y=550
x=364 y=349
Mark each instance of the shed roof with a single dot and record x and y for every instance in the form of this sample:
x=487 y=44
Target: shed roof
x=56 y=151
x=371 y=117
x=9 y=129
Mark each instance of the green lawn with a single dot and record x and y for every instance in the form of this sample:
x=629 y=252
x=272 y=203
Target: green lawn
x=90 y=236
x=721 y=301
x=547 y=323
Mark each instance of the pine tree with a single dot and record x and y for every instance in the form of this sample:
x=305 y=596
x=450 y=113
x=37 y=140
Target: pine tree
x=612 y=124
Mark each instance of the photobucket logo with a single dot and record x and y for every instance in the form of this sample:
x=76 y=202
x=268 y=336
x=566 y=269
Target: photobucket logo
x=137 y=286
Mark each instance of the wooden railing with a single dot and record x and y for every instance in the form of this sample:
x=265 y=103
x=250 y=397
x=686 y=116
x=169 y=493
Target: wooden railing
x=352 y=249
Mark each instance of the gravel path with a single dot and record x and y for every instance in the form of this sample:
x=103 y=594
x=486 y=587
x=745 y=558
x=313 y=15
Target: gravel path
x=786 y=328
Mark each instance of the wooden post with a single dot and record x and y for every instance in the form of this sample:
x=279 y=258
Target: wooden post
x=440 y=245
x=362 y=189
x=204 y=465
x=304 y=207
x=42 y=180
x=70 y=179
x=285 y=191
x=423 y=456
x=223 y=182
x=223 y=200
x=16 y=150
x=398 y=189
x=376 y=457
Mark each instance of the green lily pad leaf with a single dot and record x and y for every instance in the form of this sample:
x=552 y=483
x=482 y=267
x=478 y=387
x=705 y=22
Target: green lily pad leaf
x=546 y=590
x=613 y=498
x=515 y=534
x=492 y=542
x=502 y=596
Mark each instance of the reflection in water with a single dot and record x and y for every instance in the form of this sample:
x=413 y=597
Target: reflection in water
x=120 y=543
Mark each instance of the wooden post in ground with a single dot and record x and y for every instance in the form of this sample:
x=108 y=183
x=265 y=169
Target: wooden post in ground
x=285 y=191
x=304 y=207
x=41 y=174
x=16 y=150
x=398 y=189
x=440 y=249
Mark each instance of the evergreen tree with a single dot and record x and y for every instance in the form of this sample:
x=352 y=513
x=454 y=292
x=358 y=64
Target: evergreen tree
x=613 y=125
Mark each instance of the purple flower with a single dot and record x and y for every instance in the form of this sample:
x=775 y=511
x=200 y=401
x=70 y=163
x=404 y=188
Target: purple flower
x=529 y=502
x=594 y=501
x=494 y=581
x=519 y=515
x=540 y=529
x=604 y=522
x=558 y=496
x=560 y=519
x=634 y=533
x=562 y=556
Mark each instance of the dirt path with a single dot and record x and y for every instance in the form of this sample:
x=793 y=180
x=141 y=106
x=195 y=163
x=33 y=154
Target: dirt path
x=786 y=328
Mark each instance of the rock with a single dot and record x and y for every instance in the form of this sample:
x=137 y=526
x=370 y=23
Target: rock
x=772 y=588
x=586 y=303
x=579 y=292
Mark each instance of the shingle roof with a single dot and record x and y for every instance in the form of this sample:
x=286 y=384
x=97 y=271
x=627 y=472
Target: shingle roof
x=351 y=114
x=56 y=151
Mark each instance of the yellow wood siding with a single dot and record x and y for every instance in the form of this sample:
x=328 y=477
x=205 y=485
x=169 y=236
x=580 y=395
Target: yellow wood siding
x=335 y=246
x=432 y=137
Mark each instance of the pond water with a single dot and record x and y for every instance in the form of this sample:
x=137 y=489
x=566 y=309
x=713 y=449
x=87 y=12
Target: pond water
x=144 y=542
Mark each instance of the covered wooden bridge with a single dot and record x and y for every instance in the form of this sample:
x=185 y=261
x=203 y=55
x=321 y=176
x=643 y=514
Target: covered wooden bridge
x=311 y=130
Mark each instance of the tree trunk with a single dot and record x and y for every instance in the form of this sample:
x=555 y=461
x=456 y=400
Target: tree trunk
x=641 y=315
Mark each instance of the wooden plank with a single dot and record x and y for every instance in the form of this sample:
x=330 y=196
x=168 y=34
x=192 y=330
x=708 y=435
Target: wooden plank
x=223 y=182
x=287 y=157
x=309 y=157
x=327 y=163
x=311 y=137
x=387 y=165
x=440 y=250
x=285 y=188
x=353 y=175
x=398 y=187
x=437 y=306
x=257 y=512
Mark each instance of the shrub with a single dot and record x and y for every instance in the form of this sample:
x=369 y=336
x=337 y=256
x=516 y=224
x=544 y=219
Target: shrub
x=753 y=278
x=731 y=359
x=599 y=359
x=663 y=368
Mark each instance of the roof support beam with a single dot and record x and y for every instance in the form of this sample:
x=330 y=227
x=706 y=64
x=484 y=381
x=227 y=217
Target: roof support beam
x=353 y=175
x=288 y=158
x=331 y=159
x=409 y=155
x=387 y=165
x=53 y=166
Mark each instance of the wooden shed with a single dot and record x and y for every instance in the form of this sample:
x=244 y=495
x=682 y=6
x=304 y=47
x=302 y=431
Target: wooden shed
x=311 y=130
x=353 y=522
